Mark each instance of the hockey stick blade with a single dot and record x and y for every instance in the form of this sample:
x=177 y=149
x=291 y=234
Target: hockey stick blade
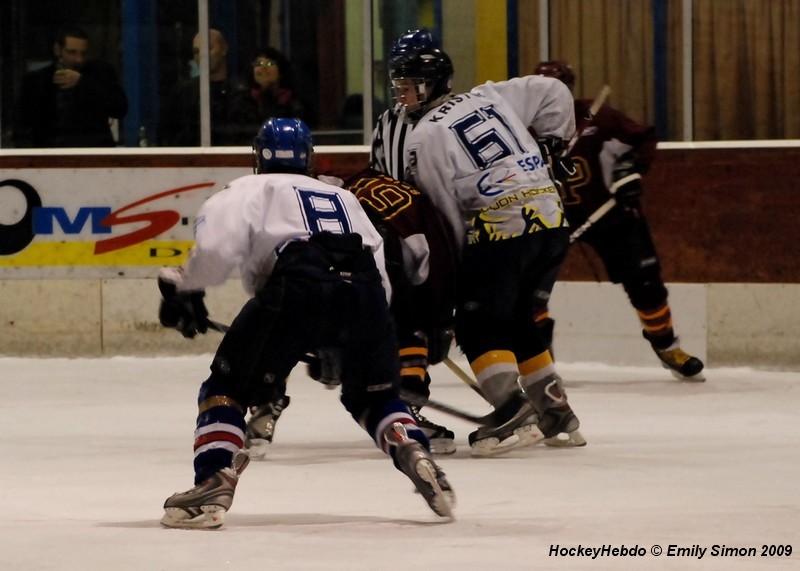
x=217 y=326
x=417 y=400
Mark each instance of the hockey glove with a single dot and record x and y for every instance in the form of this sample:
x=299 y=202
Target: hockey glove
x=439 y=342
x=184 y=311
x=325 y=366
x=627 y=182
x=561 y=166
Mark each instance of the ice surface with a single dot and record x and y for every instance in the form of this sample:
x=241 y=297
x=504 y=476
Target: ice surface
x=92 y=447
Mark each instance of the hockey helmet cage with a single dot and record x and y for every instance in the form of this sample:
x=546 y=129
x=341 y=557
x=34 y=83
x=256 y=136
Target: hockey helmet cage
x=282 y=145
x=557 y=69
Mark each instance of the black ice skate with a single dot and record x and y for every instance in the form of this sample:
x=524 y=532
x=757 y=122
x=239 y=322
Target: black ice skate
x=205 y=505
x=442 y=440
x=517 y=427
x=557 y=421
x=261 y=426
x=416 y=463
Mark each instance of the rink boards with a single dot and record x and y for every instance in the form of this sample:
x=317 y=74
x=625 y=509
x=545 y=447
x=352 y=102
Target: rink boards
x=83 y=236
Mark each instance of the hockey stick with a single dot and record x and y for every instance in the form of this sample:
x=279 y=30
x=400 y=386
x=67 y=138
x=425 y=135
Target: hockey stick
x=603 y=209
x=463 y=375
x=217 y=326
x=593 y=109
x=420 y=401
x=412 y=398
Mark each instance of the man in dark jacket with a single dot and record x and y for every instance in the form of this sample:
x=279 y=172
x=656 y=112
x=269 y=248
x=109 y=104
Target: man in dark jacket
x=69 y=102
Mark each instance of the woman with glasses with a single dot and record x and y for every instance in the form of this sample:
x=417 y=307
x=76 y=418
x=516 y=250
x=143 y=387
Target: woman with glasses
x=271 y=92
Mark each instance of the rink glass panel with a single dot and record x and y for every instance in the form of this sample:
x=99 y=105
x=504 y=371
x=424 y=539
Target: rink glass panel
x=661 y=59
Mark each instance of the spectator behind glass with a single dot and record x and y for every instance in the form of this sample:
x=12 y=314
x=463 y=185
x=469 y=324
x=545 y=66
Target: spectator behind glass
x=180 y=126
x=69 y=102
x=271 y=92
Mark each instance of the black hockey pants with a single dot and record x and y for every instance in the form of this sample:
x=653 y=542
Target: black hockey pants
x=325 y=292
x=500 y=285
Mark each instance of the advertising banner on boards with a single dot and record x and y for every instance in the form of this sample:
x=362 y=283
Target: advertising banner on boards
x=103 y=222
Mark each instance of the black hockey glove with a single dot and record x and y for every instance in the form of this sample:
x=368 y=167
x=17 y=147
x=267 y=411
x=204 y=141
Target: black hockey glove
x=561 y=167
x=627 y=181
x=184 y=311
x=439 y=342
x=325 y=366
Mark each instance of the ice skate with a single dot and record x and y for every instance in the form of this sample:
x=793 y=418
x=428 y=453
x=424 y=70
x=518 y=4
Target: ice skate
x=518 y=428
x=417 y=463
x=204 y=506
x=557 y=421
x=261 y=426
x=442 y=440
x=683 y=366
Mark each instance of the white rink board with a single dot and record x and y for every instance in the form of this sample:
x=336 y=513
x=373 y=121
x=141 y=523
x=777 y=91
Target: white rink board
x=596 y=322
x=729 y=324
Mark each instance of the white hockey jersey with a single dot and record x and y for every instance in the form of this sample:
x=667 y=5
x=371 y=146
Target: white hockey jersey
x=247 y=223
x=475 y=159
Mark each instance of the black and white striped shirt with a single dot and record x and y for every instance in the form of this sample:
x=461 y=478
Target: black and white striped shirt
x=388 y=141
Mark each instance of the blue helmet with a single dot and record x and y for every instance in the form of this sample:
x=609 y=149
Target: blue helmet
x=416 y=55
x=282 y=145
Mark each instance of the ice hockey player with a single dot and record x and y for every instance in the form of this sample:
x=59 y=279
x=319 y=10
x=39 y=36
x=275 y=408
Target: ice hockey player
x=314 y=266
x=421 y=265
x=387 y=158
x=473 y=156
x=421 y=259
x=613 y=147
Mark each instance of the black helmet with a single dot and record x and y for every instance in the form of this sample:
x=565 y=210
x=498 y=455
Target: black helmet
x=415 y=56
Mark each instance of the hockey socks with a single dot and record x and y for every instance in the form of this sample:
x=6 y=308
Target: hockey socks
x=220 y=432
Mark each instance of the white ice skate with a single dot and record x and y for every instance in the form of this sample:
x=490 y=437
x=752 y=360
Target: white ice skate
x=204 y=506
x=518 y=431
x=418 y=465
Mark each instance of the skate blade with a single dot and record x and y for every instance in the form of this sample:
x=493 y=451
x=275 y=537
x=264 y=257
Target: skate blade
x=698 y=378
x=527 y=435
x=441 y=502
x=572 y=439
x=442 y=446
x=258 y=448
x=213 y=517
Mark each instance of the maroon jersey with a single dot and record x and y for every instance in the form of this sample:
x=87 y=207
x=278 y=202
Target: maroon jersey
x=420 y=249
x=607 y=137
